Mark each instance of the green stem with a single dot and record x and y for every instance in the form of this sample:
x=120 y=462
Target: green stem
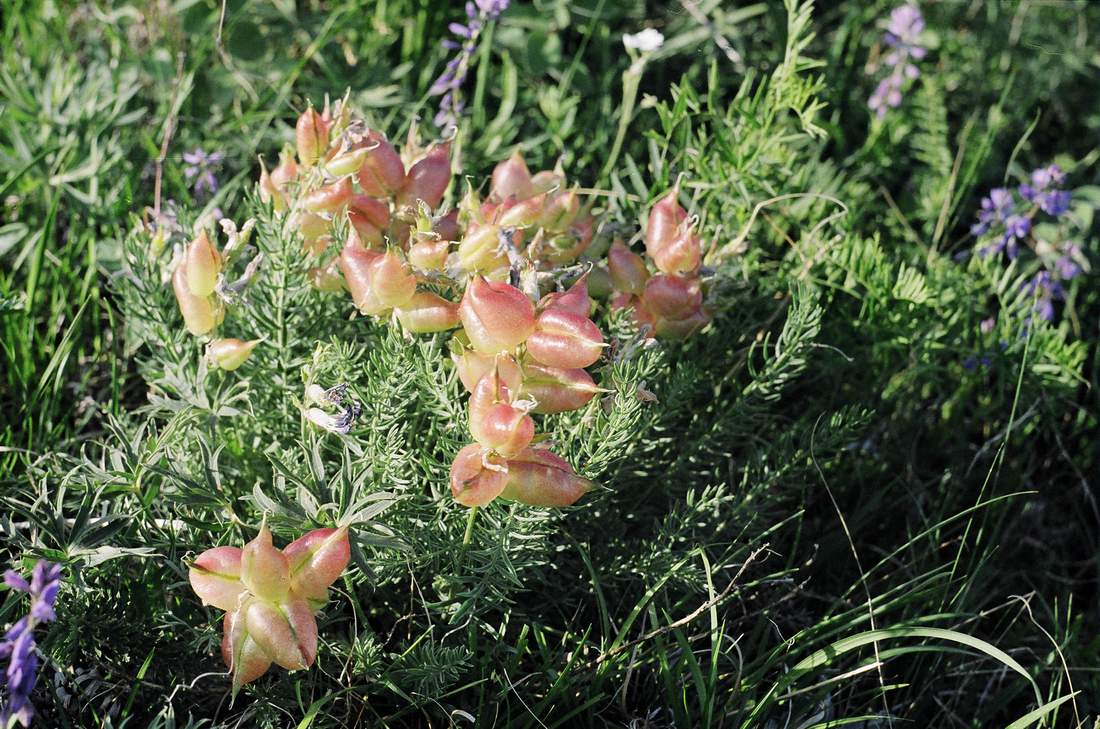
x=632 y=77
x=469 y=527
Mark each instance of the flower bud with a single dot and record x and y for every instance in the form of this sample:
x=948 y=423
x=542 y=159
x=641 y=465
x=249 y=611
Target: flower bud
x=427 y=180
x=316 y=560
x=392 y=281
x=382 y=174
x=329 y=198
x=204 y=264
x=665 y=218
x=511 y=179
x=574 y=300
x=326 y=278
x=427 y=312
x=346 y=163
x=628 y=270
x=264 y=569
x=229 y=354
x=477 y=476
x=564 y=339
x=496 y=316
x=556 y=390
x=479 y=250
x=356 y=264
x=495 y=422
x=200 y=313
x=672 y=297
x=311 y=133
x=539 y=478
x=429 y=255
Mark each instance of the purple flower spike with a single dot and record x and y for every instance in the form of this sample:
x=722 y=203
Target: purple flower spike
x=449 y=84
x=18 y=646
x=902 y=36
x=201 y=168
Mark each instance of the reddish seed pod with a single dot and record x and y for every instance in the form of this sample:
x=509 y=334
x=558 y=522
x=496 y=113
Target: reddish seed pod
x=269 y=191
x=427 y=180
x=329 y=198
x=346 y=163
x=477 y=477
x=560 y=209
x=200 y=314
x=574 y=300
x=392 y=281
x=682 y=328
x=472 y=366
x=665 y=218
x=564 y=339
x=215 y=577
x=511 y=179
x=355 y=263
x=311 y=134
x=681 y=255
x=538 y=477
x=264 y=569
x=229 y=354
x=628 y=270
x=556 y=390
x=672 y=297
x=521 y=214
x=326 y=278
x=428 y=312
x=204 y=264
x=316 y=560
x=429 y=255
x=496 y=316
x=546 y=181
x=286 y=171
x=446 y=226
x=479 y=250
x=382 y=174
x=494 y=421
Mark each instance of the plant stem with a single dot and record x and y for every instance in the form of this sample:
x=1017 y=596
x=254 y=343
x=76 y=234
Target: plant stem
x=469 y=528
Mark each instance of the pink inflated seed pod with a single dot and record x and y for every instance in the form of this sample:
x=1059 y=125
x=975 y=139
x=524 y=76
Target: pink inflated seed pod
x=428 y=312
x=477 y=477
x=556 y=390
x=392 y=281
x=204 y=265
x=200 y=313
x=627 y=269
x=511 y=179
x=355 y=263
x=564 y=339
x=496 y=316
x=382 y=174
x=312 y=135
x=665 y=219
x=538 y=477
x=427 y=180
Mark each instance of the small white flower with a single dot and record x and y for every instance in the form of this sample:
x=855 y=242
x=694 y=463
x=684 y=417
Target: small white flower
x=645 y=41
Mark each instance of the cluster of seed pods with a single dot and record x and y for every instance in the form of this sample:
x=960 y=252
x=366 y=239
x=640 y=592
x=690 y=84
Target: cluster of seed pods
x=492 y=269
x=670 y=302
x=270 y=597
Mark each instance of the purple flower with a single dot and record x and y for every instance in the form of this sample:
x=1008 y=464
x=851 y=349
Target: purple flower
x=449 y=84
x=995 y=209
x=1043 y=190
x=18 y=646
x=1044 y=288
x=200 y=170
x=903 y=38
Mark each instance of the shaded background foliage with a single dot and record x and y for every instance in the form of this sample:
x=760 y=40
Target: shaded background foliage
x=828 y=416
